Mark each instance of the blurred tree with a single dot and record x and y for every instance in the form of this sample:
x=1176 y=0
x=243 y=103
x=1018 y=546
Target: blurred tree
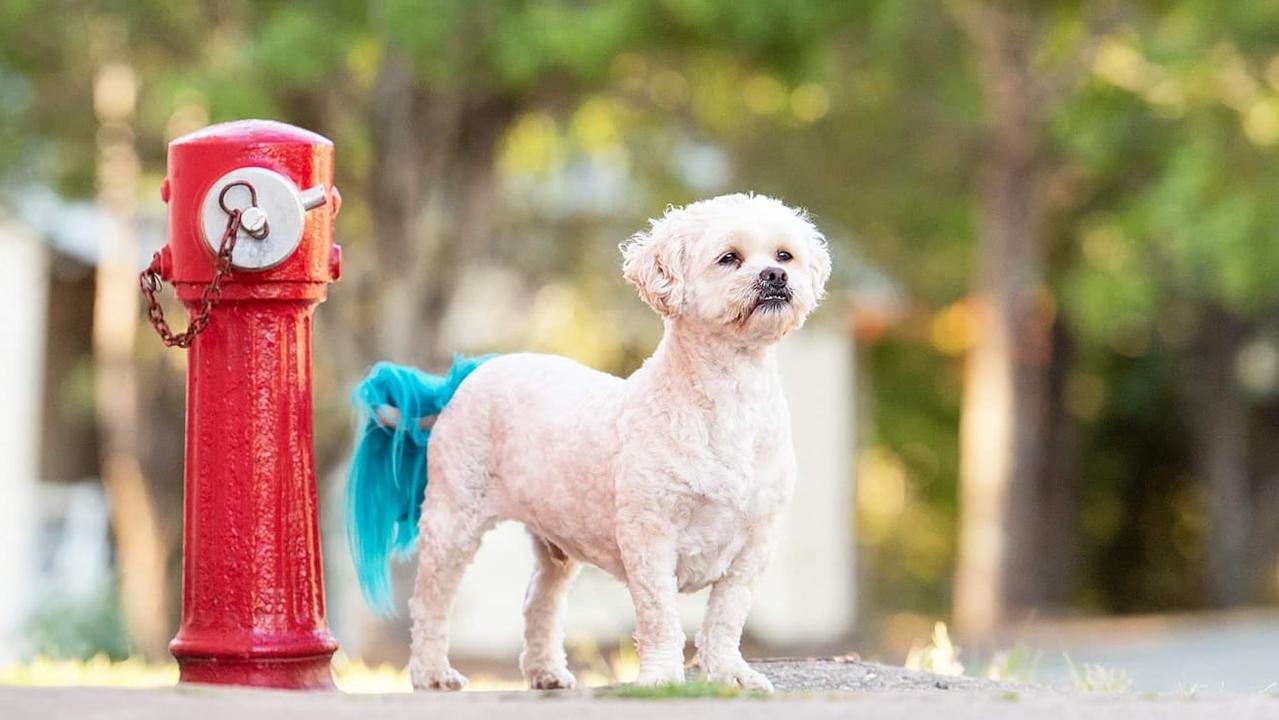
x=70 y=121
x=141 y=550
x=1005 y=390
x=909 y=88
x=1183 y=116
x=1028 y=60
x=1134 y=144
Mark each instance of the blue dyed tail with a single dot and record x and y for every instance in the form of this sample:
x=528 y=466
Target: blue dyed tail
x=387 y=482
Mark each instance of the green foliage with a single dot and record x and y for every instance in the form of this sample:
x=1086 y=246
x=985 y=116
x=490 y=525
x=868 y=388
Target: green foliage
x=298 y=48
x=512 y=46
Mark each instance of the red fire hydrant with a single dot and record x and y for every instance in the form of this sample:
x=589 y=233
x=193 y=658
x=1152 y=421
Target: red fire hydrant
x=251 y=253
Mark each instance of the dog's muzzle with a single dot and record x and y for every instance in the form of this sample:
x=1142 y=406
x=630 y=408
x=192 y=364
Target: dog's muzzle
x=772 y=299
x=772 y=289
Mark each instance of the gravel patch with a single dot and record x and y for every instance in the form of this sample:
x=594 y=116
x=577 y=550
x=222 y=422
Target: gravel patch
x=846 y=674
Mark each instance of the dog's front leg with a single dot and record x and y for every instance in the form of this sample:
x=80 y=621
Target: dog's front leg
x=650 y=576
x=719 y=641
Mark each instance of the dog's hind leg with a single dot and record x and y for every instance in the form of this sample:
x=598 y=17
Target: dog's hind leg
x=543 y=662
x=451 y=533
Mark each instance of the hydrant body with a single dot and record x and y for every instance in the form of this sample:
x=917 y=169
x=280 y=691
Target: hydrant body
x=252 y=584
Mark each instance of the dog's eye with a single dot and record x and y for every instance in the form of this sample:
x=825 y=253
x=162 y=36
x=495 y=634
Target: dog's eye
x=730 y=258
x=783 y=256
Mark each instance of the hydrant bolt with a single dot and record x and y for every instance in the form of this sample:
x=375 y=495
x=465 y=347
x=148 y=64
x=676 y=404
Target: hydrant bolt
x=253 y=220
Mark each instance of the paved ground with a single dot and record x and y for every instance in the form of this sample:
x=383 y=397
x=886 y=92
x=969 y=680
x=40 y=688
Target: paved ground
x=848 y=675
x=864 y=691
x=1236 y=652
x=221 y=704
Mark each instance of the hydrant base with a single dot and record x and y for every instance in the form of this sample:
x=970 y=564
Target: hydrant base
x=307 y=673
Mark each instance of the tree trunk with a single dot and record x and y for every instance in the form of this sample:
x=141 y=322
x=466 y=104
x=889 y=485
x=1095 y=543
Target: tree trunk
x=141 y=552
x=1005 y=384
x=1058 y=494
x=1265 y=521
x=433 y=199
x=1219 y=420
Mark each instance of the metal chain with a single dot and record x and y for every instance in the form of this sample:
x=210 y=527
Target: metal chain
x=151 y=284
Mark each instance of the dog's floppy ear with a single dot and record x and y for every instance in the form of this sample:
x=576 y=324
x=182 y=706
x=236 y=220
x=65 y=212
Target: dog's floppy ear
x=653 y=262
x=819 y=262
x=818 y=254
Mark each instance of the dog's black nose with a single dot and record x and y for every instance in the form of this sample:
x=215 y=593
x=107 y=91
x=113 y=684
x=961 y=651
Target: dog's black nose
x=773 y=276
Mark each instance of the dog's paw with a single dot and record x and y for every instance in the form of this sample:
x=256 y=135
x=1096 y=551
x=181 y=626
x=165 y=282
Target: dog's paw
x=741 y=676
x=660 y=676
x=438 y=679
x=550 y=679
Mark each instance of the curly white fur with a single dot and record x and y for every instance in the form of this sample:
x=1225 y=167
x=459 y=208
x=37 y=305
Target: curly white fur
x=670 y=480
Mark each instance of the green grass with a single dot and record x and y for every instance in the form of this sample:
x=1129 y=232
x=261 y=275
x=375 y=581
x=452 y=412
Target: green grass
x=698 y=689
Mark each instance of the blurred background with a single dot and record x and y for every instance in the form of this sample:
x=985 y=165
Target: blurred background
x=1041 y=404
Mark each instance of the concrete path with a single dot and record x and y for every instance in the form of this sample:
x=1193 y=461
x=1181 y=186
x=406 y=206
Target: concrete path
x=811 y=689
x=1235 y=652
x=200 y=703
x=849 y=675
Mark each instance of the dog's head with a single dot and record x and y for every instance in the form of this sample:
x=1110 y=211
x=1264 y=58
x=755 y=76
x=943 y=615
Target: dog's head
x=742 y=266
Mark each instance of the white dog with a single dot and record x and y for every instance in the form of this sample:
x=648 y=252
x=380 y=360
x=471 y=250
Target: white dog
x=670 y=480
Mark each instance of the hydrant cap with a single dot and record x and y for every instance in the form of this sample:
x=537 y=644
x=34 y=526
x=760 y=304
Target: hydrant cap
x=253 y=131
x=287 y=244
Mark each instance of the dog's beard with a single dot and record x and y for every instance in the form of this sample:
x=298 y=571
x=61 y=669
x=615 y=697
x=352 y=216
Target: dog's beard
x=772 y=299
x=772 y=317
x=761 y=314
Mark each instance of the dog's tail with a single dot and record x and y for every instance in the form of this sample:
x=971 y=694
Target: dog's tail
x=397 y=406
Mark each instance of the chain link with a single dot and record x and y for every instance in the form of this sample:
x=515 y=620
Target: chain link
x=151 y=284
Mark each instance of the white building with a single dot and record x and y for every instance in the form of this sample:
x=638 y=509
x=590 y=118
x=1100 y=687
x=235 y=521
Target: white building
x=25 y=260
